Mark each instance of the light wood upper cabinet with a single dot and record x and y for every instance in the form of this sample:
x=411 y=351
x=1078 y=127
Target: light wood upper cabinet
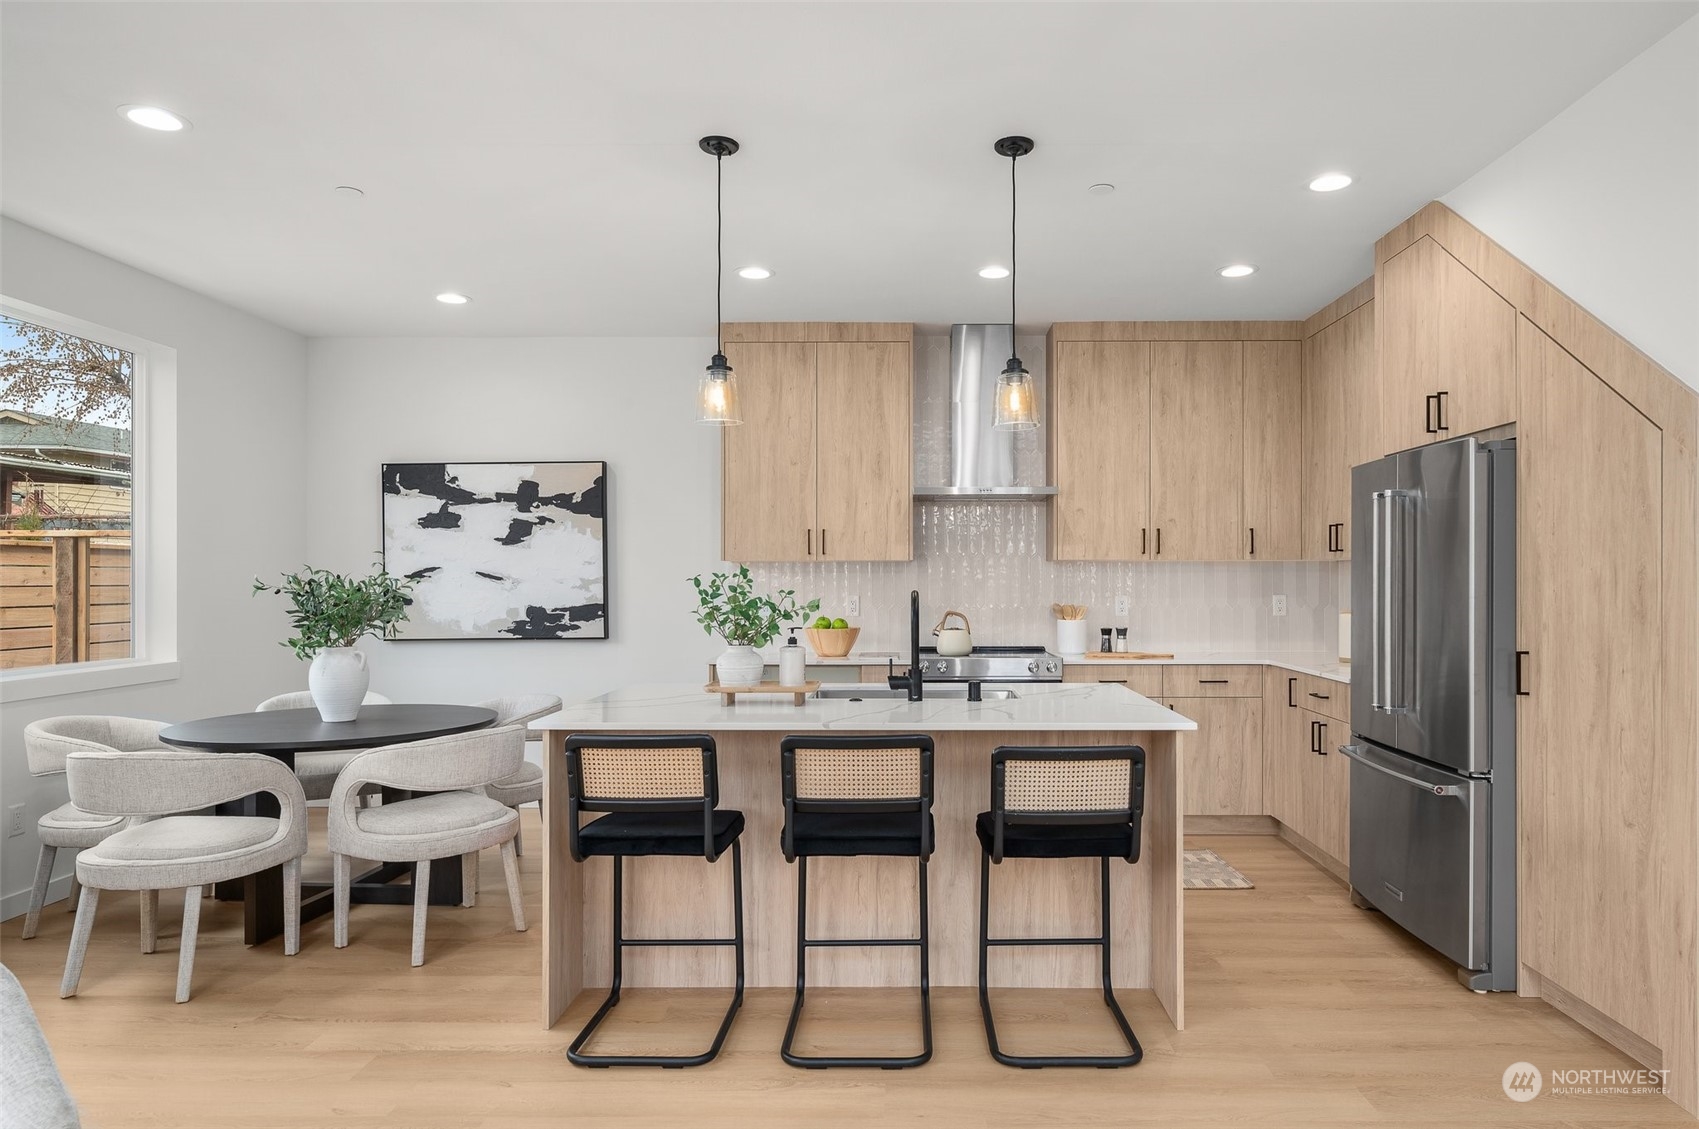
x=1339 y=360
x=864 y=404
x=820 y=467
x=1447 y=351
x=1099 y=424
x=1274 y=450
x=1590 y=520
x=1197 y=422
x=768 y=465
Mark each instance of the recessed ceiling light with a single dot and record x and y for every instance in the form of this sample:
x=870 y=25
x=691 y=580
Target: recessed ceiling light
x=1237 y=270
x=1330 y=182
x=994 y=272
x=154 y=117
x=450 y=298
x=1101 y=189
x=755 y=273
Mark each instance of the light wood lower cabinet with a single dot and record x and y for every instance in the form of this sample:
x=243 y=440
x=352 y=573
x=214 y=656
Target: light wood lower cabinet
x=1224 y=769
x=1306 y=780
x=1146 y=680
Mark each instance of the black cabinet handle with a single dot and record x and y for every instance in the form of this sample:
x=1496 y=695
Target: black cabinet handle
x=811 y=542
x=1321 y=738
x=822 y=540
x=1253 y=540
x=1439 y=415
x=1290 y=683
x=1212 y=682
x=1323 y=697
x=1159 y=540
x=1521 y=690
x=1144 y=541
x=1112 y=681
x=1428 y=403
x=1315 y=737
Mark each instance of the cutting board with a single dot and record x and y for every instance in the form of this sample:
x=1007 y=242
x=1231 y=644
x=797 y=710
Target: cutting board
x=1128 y=656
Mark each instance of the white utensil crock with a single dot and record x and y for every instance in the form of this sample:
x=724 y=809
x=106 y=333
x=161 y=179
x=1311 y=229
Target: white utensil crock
x=1070 y=637
x=338 y=679
x=739 y=666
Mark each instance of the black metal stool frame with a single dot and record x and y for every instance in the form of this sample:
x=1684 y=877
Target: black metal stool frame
x=707 y=804
x=922 y=805
x=1133 y=813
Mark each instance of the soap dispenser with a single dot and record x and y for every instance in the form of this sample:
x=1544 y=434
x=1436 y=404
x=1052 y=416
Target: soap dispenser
x=793 y=662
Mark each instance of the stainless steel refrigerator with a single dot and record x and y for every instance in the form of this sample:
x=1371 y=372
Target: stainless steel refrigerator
x=1433 y=718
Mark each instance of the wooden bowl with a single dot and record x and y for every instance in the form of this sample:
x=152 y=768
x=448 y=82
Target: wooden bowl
x=832 y=642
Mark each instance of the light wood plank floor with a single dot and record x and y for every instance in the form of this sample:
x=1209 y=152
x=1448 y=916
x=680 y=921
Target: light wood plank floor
x=1302 y=1011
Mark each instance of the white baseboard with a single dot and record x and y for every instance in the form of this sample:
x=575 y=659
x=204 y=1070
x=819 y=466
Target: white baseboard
x=17 y=904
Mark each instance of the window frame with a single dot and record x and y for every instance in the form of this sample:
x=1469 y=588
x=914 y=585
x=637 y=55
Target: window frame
x=153 y=521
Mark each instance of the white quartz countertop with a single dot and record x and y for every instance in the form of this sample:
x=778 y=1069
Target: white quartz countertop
x=1321 y=664
x=1040 y=706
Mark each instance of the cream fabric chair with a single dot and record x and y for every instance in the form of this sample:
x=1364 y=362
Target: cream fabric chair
x=46 y=745
x=526 y=785
x=456 y=818
x=183 y=851
x=317 y=771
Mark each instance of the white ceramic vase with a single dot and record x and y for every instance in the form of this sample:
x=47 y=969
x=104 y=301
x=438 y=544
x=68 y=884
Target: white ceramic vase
x=338 y=679
x=739 y=666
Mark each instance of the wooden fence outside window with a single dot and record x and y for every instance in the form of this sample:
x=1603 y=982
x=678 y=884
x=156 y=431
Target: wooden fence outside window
x=64 y=596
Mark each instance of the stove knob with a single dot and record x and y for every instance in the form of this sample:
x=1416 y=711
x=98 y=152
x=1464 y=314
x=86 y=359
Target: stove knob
x=1050 y=666
x=939 y=666
x=1032 y=666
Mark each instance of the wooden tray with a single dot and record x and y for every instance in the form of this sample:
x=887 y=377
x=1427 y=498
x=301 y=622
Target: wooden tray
x=1127 y=656
x=730 y=693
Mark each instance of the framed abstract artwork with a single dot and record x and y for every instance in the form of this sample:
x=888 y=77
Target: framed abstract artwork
x=499 y=550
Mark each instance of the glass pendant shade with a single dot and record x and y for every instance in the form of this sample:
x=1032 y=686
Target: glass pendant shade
x=717 y=394
x=1016 y=405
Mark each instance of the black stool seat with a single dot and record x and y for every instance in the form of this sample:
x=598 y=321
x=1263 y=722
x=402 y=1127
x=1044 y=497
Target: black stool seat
x=858 y=833
x=1055 y=840
x=629 y=833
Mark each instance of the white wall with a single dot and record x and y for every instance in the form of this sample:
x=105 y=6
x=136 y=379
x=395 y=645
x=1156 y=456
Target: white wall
x=626 y=401
x=1603 y=201
x=241 y=407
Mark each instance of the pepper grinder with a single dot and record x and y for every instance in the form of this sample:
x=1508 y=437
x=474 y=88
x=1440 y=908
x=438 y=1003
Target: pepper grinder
x=1108 y=644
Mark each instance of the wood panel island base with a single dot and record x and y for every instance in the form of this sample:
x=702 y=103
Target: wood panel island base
x=872 y=897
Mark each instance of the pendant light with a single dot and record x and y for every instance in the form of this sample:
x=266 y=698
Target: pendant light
x=717 y=393
x=1016 y=405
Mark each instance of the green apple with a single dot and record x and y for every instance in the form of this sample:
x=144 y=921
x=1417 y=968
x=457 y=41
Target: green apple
x=824 y=623
x=840 y=624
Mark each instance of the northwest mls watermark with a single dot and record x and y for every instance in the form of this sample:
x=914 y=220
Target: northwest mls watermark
x=1523 y=1081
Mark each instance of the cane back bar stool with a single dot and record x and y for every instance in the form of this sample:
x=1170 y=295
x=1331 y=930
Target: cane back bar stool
x=662 y=797
x=1052 y=803
x=848 y=797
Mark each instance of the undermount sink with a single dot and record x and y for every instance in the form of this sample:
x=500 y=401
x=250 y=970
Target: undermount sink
x=951 y=690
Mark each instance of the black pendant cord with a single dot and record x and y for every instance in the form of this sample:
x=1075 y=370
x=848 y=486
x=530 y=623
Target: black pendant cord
x=719 y=253
x=1013 y=272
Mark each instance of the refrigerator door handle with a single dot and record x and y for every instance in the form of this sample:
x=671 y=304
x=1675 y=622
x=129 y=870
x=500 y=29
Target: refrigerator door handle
x=1355 y=753
x=1383 y=606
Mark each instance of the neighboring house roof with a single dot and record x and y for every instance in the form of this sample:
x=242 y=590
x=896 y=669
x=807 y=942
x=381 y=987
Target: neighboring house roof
x=31 y=432
x=33 y=465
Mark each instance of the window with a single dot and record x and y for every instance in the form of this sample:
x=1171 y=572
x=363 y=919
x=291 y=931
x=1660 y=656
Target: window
x=80 y=501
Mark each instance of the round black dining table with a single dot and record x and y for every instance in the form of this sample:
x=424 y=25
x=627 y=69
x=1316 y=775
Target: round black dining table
x=284 y=733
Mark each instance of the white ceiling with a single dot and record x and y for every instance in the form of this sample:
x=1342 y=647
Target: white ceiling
x=542 y=157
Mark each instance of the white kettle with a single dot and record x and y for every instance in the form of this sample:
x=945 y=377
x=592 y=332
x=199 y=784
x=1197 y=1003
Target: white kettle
x=953 y=642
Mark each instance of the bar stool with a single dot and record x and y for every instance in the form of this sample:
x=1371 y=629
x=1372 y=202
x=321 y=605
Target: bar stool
x=661 y=793
x=846 y=797
x=1053 y=803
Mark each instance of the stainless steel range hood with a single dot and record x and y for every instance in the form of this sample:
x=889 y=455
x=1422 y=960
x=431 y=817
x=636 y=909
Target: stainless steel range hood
x=982 y=459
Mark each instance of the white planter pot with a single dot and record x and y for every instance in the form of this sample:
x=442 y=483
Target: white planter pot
x=338 y=679
x=739 y=666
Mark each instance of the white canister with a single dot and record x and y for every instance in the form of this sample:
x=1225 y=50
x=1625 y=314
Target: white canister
x=1344 y=637
x=793 y=664
x=1071 y=637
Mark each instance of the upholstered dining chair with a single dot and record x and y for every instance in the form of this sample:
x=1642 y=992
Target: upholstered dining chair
x=453 y=818
x=183 y=851
x=526 y=785
x=317 y=771
x=46 y=745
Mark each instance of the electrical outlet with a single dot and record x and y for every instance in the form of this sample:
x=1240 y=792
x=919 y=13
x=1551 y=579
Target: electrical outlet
x=1279 y=607
x=1123 y=604
x=855 y=605
x=15 y=820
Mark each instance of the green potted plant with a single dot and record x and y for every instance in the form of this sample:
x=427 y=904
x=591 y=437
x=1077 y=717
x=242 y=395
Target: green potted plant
x=330 y=613
x=727 y=605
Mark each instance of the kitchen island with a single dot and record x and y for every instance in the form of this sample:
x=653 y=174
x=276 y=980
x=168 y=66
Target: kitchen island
x=860 y=897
